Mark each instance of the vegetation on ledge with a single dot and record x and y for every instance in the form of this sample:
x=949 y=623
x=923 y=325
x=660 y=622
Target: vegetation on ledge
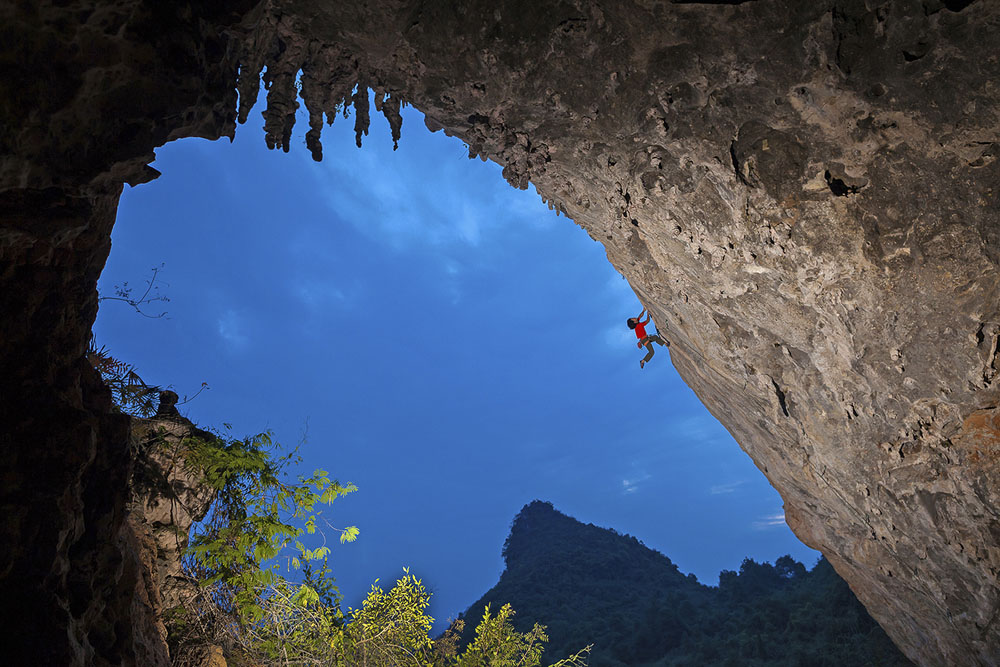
x=262 y=524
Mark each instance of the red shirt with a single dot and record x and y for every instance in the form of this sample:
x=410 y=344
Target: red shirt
x=640 y=330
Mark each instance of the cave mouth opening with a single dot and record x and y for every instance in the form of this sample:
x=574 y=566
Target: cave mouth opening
x=450 y=346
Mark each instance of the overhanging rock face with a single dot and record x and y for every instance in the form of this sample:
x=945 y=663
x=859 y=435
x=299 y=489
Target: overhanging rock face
x=804 y=194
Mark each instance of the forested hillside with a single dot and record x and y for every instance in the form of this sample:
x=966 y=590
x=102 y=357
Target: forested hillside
x=591 y=585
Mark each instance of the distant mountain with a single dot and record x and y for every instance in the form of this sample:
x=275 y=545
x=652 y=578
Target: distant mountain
x=592 y=585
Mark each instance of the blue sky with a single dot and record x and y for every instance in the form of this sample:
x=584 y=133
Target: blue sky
x=445 y=342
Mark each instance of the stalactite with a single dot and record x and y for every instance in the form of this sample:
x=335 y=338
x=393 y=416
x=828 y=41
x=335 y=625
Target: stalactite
x=361 y=116
x=391 y=111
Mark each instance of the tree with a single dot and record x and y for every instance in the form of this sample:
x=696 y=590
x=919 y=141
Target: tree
x=391 y=628
x=498 y=644
x=255 y=526
x=256 y=523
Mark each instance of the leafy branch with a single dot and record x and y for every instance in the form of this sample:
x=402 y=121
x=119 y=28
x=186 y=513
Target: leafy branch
x=150 y=295
x=256 y=526
x=128 y=391
x=255 y=518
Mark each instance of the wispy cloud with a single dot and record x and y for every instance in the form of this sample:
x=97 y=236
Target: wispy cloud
x=232 y=329
x=619 y=336
x=619 y=288
x=323 y=294
x=730 y=487
x=402 y=212
x=452 y=279
x=399 y=209
x=631 y=485
x=770 y=521
x=468 y=224
x=702 y=428
x=620 y=301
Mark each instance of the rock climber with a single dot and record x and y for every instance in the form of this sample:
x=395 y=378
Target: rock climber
x=639 y=326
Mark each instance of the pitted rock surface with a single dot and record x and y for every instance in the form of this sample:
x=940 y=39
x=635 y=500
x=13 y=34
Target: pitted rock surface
x=168 y=495
x=804 y=194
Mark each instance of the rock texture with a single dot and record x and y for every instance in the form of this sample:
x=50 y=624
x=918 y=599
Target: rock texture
x=804 y=194
x=65 y=457
x=167 y=496
x=86 y=91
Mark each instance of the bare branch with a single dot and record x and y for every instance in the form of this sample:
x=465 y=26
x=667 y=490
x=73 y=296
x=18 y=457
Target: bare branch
x=152 y=294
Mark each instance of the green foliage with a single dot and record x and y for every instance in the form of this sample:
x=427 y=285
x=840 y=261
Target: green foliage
x=296 y=622
x=257 y=516
x=128 y=391
x=498 y=643
x=390 y=628
x=256 y=525
x=590 y=584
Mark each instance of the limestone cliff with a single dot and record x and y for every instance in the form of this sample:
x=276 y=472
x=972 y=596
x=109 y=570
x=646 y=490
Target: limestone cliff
x=167 y=495
x=804 y=194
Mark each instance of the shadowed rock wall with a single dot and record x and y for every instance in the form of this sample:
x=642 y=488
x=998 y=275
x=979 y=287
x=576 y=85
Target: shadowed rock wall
x=65 y=458
x=804 y=194
x=86 y=91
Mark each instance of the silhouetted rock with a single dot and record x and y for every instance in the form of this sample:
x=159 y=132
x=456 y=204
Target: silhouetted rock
x=594 y=586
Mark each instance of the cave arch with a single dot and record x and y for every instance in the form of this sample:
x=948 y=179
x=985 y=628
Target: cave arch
x=540 y=278
x=846 y=334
